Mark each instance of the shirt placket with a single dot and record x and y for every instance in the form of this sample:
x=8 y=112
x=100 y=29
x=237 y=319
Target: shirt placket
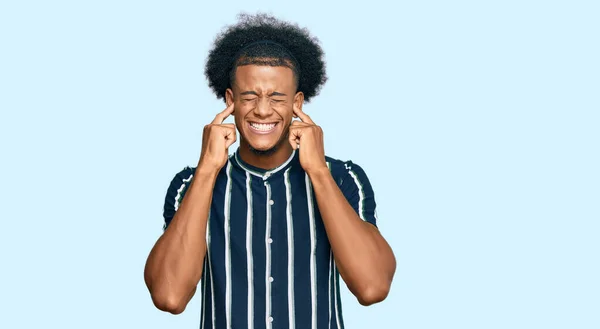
x=268 y=243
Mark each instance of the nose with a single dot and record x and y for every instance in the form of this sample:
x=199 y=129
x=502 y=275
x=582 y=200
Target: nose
x=263 y=108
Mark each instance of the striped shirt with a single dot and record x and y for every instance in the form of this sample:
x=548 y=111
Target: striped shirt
x=269 y=263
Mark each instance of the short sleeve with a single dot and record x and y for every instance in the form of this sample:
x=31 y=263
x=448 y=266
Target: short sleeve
x=175 y=194
x=357 y=189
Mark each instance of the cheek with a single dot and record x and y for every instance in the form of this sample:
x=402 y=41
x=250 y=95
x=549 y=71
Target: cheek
x=240 y=112
x=286 y=113
x=239 y=121
x=237 y=118
x=243 y=109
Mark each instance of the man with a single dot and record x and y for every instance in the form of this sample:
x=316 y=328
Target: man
x=268 y=230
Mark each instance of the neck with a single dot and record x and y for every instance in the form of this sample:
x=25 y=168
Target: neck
x=267 y=162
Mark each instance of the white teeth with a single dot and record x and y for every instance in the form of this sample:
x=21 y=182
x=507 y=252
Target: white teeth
x=262 y=126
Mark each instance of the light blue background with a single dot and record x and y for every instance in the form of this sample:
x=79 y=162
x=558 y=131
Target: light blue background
x=477 y=123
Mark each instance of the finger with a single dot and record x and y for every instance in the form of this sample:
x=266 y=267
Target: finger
x=302 y=116
x=297 y=123
x=219 y=118
x=227 y=130
x=294 y=138
x=230 y=139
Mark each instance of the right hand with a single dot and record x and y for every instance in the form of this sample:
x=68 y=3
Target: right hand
x=216 y=140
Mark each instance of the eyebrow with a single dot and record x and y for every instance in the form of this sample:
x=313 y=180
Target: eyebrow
x=251 y=92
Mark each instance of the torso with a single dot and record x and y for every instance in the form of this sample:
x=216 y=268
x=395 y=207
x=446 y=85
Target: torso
x=268 y=222
x=269 y=262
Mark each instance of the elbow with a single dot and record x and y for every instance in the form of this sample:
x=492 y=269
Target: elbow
x=168 y=303
x=163 y=297
x=167 y=299
x=373 y=294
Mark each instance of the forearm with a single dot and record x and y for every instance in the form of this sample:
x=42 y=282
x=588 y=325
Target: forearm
x=175 y=264
x=365 y=260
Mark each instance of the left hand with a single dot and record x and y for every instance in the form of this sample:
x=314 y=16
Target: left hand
x=306 y=136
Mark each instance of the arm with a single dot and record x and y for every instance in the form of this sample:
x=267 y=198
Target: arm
x=175 y=264
x=364 y=258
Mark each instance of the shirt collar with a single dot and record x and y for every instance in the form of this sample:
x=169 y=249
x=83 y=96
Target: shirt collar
x=237 y=161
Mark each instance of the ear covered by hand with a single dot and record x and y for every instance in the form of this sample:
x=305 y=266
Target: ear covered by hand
x=307 y=137
x=217 y=137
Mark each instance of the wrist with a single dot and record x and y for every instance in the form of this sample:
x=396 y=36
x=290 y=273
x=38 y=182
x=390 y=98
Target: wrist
x=319 y=173
x=206 y=171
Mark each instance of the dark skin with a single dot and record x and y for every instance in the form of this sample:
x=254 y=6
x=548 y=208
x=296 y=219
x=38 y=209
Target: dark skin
x=266 y=97
x=264 y=94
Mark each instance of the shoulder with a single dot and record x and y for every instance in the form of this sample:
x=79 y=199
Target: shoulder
x=179 y=184
x=342 y=169
x=337 y=164
x=184 y=176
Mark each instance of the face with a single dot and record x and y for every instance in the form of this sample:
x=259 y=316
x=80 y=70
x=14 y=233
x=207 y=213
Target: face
x=264 y=97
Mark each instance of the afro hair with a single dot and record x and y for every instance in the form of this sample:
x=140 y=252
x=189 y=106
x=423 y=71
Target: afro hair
x=262 y=39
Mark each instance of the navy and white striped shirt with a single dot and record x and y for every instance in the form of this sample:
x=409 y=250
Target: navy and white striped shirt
x=269 y=262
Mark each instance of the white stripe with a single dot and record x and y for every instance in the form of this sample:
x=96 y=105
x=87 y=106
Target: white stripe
x=186 y=180
x=268 y=173
x=271 y=172
x=212 y=285
x=226 y=229
x=249 y=252
x=336 y=292
x=361 y=195
x=203 y=293
x=236 y=157
x=313 y=245
x=329 y=278
x=290 y=238
x=268 y=261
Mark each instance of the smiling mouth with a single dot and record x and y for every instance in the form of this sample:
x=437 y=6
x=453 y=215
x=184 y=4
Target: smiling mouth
x=262 y=127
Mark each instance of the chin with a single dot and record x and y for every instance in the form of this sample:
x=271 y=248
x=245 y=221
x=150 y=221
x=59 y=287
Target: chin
x=263 y=150
x=264 y=142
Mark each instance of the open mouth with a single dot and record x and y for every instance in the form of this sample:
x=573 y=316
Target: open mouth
x=262 y=128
